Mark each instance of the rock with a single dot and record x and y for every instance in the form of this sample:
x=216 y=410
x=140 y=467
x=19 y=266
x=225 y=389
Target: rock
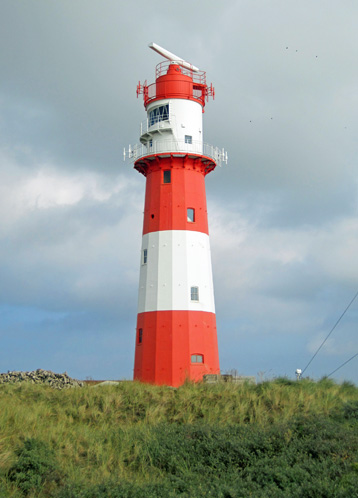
x=39 y=376
x=107 y=383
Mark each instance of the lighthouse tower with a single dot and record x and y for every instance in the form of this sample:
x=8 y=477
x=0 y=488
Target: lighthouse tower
x=176 y=336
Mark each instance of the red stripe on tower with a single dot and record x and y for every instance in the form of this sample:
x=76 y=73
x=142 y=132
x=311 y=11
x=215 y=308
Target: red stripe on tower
x=176 y=335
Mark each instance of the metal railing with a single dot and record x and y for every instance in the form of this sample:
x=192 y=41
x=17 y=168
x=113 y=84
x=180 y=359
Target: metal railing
x=197 y=76
x=177 y=147
x=200 y=90
x=150 y=93
x=154 y=124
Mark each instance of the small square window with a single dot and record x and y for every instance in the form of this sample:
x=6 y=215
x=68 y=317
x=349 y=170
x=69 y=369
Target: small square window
x=167 y=177
x=188 y=139
x=145 y=256
x=194 y=293
x=190 y=215
x=140 y=336
x=197 y=358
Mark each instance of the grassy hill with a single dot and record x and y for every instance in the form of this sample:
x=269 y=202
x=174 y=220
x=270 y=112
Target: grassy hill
x=274 y=439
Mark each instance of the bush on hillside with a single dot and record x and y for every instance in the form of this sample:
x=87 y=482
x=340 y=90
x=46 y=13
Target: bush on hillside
x=350 y=410
x=35 y=467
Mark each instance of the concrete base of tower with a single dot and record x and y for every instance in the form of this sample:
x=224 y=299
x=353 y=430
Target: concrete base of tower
x=173 y=346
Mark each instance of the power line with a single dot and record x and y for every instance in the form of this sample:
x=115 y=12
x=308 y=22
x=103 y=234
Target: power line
x=345 y=363
x=335 y=325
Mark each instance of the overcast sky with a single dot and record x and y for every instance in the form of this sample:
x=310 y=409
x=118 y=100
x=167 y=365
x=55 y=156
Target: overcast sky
x=283 y=214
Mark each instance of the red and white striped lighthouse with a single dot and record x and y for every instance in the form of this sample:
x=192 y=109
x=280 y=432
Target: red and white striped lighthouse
x=176 y=336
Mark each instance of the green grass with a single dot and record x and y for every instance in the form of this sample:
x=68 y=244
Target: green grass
x=280 y=438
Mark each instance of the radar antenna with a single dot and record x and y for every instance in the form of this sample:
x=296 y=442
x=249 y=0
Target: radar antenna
x=174 y=58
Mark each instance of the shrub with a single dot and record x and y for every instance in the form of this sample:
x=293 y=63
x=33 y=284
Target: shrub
x=115 y=490
x=35 y=467
x=350 y=410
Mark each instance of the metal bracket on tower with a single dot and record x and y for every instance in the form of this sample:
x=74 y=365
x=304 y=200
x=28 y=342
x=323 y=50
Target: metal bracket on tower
x=210 y=92
x=132 y=152
x=221 y=156
x=142 y=89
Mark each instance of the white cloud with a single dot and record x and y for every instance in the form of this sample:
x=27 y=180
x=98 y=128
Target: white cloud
x=67 y=237
x=47 y=186
x=282 y=272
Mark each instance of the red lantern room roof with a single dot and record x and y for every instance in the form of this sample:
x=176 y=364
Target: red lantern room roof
x=176 y=82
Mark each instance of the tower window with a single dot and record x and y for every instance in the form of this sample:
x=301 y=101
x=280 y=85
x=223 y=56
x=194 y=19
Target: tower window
x=190 y=215
x=194 y=293
x=197 y=358
x=140 y=336
x=160 y=113
x=167 y=176
x=188 y=139
x=145 y=256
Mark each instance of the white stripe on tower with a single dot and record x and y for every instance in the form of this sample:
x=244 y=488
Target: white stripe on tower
x=176 y=261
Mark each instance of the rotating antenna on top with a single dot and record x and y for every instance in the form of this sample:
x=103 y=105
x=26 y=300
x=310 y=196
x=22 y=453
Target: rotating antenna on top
x=174 y=58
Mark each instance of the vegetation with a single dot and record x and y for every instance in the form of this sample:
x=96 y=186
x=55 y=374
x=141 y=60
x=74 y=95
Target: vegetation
x=276 y=439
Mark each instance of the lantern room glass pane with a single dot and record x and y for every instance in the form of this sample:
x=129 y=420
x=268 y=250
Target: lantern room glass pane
x=160 y=113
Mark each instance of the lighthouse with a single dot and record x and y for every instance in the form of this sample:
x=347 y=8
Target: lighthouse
x=176 y=336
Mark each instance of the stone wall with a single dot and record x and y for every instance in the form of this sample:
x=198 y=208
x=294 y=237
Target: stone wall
x=39 y=376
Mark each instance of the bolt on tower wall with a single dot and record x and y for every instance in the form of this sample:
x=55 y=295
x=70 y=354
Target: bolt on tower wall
x=176 y=336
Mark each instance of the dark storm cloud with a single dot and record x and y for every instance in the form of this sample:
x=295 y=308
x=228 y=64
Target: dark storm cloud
x=68 y=61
